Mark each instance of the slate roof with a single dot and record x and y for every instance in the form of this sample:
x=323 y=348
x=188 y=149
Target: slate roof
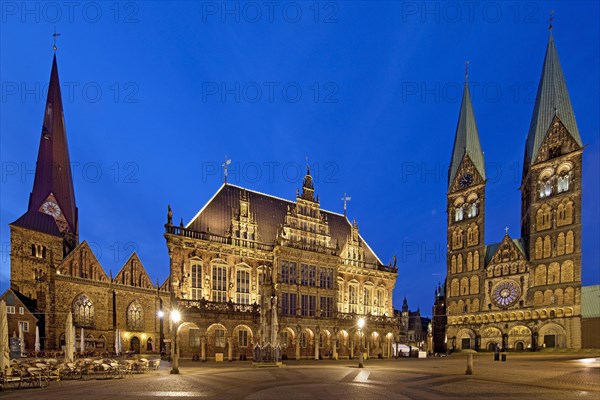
x=466 y=140
x=552 y=100
x=38 y=221
x=269 y=212
x=53 y=167
x=590 y=301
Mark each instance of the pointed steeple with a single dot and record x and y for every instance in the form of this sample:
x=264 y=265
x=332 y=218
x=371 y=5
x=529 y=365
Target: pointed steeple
x=308 y=188
x=552 y=100
x=53 y=182
x=466 y=140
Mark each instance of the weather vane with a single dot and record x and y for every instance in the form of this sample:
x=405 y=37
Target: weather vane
x=551 y=19
x=467 y=70
x=225 y=165
x=54 y=36
x=346 y=199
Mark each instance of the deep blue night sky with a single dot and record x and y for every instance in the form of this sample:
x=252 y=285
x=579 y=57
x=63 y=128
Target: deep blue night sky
x=157 y=94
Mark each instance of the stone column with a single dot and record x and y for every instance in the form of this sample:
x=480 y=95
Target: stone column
x=351 y=348
x=203 y=349
x=230 y=349
x=316 y=347
x=334 y=348
x=297 y=348
x=368 y=348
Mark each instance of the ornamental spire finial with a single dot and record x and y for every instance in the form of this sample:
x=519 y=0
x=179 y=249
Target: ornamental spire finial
x=54 y=36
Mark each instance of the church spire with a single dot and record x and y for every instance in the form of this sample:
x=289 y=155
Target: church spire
x=53 y=191
x=552 y=100
x=466 y=140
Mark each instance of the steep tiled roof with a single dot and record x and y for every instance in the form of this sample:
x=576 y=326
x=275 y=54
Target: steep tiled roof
x=39 y=222
x=466 y=140
x=269 y=212
x=552 y=100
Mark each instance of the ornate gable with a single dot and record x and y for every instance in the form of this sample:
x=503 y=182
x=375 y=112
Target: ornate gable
x=353 y=251
x=134 y=274
x=82 y=263
x=558 y=141
x=467 y=167
x=507 y=251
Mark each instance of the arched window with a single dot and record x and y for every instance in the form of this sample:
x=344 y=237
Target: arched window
x=543 y=220
x=458 y=214
x=367 y=299
x=560 y=244
x=453 y=265
x=538 y=248
x=219 y=282
x=547 y=246
x=459 y=263
x=476 y=260
x=472 y=210
x=474 y=285
x=563 y=183
x=83 y=311
x=545 y=188
x=380 y=301
x=135 y=317
x=242 y=286
x=569 y=243
x=353 y=298
x=454 y=288
x=196 y=280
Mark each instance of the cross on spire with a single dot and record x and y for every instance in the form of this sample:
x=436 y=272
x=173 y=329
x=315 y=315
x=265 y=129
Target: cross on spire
x=54 y=36
x=550 y=20
x=506 y=230
x=346 y=199
x=467 y=70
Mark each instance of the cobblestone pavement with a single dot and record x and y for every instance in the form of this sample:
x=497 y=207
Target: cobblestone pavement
x=521 y=376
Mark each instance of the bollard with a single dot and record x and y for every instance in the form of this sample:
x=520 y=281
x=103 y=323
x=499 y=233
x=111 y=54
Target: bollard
x=496 y=356
x=503 y=357
x=469 y=364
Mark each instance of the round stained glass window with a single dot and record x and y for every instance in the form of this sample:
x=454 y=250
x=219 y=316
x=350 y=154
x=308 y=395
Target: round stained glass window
x=506 y=293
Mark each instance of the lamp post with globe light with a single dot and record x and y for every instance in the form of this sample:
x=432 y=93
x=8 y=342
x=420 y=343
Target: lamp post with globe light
x=175 y=318
x=361 y=325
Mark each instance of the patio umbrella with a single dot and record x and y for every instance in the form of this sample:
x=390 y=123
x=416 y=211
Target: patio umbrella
x=4 y=353
x=117 y=342
x=69 y=338
x=22 y=339
x=82 y=343
x=37 y=338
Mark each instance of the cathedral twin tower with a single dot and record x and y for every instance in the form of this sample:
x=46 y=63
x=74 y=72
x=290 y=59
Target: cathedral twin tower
x=519 y=293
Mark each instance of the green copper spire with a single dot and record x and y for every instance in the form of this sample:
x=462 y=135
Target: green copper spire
x=552 y=100
x=466 y=141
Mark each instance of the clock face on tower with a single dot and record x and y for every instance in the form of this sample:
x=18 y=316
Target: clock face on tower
x=506 y=293
x=465 y=180
x=51 y=208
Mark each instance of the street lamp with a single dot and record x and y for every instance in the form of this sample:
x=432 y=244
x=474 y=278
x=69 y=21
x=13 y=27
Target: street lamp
x=361 y=324
x=161 y=337
x=175 y=318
